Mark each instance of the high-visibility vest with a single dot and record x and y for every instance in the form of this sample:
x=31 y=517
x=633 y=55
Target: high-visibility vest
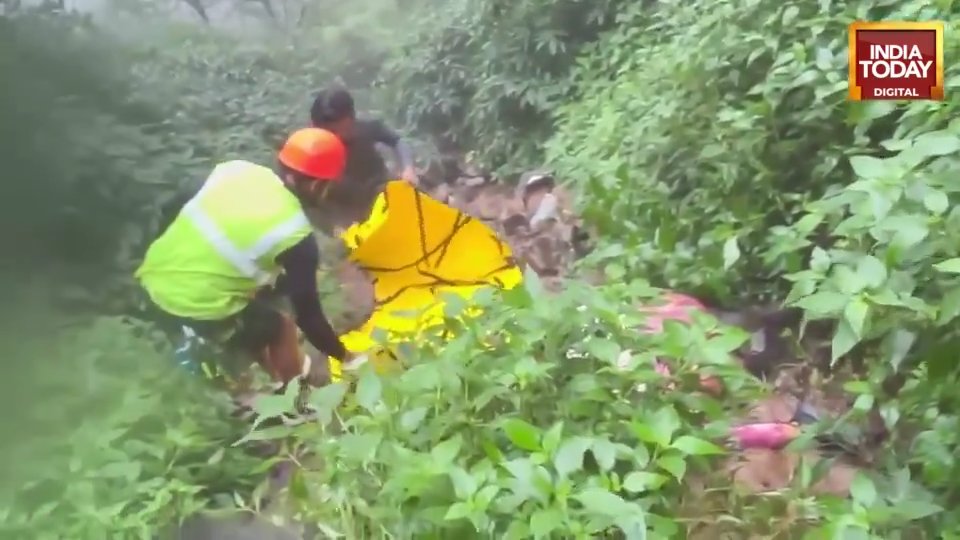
x=222 y=246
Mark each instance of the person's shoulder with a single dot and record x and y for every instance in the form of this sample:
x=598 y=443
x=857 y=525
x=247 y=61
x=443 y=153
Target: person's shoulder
x=374 y=129
x=370 y=124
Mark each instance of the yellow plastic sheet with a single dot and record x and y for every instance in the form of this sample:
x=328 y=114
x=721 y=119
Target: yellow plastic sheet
x=417 y=249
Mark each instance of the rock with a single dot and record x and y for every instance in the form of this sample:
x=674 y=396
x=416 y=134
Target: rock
x=358 y=296
x=546 y=211
x=536 y=181
x=473 y=181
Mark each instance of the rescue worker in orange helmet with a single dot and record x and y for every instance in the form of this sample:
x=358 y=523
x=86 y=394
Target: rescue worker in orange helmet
x=214 y=269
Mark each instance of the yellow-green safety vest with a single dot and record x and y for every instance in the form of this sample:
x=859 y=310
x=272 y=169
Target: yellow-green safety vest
x=222 y=246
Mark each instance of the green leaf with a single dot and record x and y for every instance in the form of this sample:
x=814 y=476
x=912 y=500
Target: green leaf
x=868 y=167
x=522 y=434
x=464 y=485
x=457 y=511
x=844 y=339
x=693 y=446
x=444 y=453
x=908 y=230
x=271 y=406
x=217 y=457
x=532 y=284
x=847 y=280
x=949 y=306
x=855 y=314
x=936 y=202
x=604 y=350
x=640 y=481
x=808 y=223
x=271 y=433
x=731 y=253
x=864 y=402
x=912 y=510
x=872 y=270
x=659 y=427
x=327 y=399
x=602 y=502
x=899 y=342
x=569 y=457
x=823 y=303
x=824 y=58
x=937 y=143
x=545 y=521
x=411 y=420
x=820 y=260
x=368 y=389
x=950 y=266
x=633 y=527
x=789 y=15
x=605 y=452
x=551 y=439
x=673 y=464
x=485 y=496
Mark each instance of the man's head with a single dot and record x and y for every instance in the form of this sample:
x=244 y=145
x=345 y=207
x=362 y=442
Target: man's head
x=333 y=109
x=310 y=159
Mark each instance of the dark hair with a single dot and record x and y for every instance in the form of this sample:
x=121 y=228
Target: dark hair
x=331 y=105
x=298 y=177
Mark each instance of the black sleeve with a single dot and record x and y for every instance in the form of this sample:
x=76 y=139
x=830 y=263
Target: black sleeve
x=377 y=131
x=300 y=283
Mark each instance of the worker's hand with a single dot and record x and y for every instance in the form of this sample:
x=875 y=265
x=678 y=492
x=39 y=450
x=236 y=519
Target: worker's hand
x=410 y=175
x=353 y=361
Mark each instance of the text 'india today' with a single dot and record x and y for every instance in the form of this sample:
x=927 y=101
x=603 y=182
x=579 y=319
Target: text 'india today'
x=895 y=62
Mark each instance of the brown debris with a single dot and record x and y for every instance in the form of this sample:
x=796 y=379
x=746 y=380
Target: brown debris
x=759 y=471
x=536 y=219
x=357 y=292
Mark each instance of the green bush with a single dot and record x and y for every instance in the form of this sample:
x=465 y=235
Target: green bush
x=536 y=434
x=701 y=129
x=889 y=278
x=110 y=439
x=484 y=76
x=722 y=157
x=71 y=137
x=101 y=137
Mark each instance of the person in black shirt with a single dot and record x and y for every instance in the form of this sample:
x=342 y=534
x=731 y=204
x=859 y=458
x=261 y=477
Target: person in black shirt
x=366 y=173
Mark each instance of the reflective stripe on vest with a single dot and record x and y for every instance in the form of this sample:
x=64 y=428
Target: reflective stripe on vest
x=244 y=261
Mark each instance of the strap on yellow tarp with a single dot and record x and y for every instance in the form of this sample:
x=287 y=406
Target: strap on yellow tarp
x=415 y=249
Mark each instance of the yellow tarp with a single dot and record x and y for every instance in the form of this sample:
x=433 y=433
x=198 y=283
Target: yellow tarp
x=416 y=248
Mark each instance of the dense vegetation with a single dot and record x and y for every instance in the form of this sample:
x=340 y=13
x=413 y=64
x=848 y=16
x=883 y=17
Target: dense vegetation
x=712 y=149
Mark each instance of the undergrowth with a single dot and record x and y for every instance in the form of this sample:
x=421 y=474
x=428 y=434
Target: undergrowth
x=712 y=149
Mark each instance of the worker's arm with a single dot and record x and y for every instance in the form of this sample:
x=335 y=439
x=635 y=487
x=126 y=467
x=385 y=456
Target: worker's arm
x=402 y=152
x=169 y=210
x=300 y=283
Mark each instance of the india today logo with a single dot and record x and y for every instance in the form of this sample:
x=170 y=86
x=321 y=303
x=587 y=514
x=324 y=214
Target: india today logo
x=896 y=60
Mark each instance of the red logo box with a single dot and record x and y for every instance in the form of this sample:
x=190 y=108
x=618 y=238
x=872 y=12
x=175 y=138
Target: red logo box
x=896 y=60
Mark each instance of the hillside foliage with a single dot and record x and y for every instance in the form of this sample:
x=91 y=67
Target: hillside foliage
x=712 y=150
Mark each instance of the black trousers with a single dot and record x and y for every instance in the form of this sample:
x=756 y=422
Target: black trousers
x=253 y=328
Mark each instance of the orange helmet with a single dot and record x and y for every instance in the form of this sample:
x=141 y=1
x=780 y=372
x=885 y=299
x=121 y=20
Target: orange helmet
x=314 y=152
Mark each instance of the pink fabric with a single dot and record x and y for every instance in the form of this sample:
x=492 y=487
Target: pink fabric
x=772 y=436
x=679 y=307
